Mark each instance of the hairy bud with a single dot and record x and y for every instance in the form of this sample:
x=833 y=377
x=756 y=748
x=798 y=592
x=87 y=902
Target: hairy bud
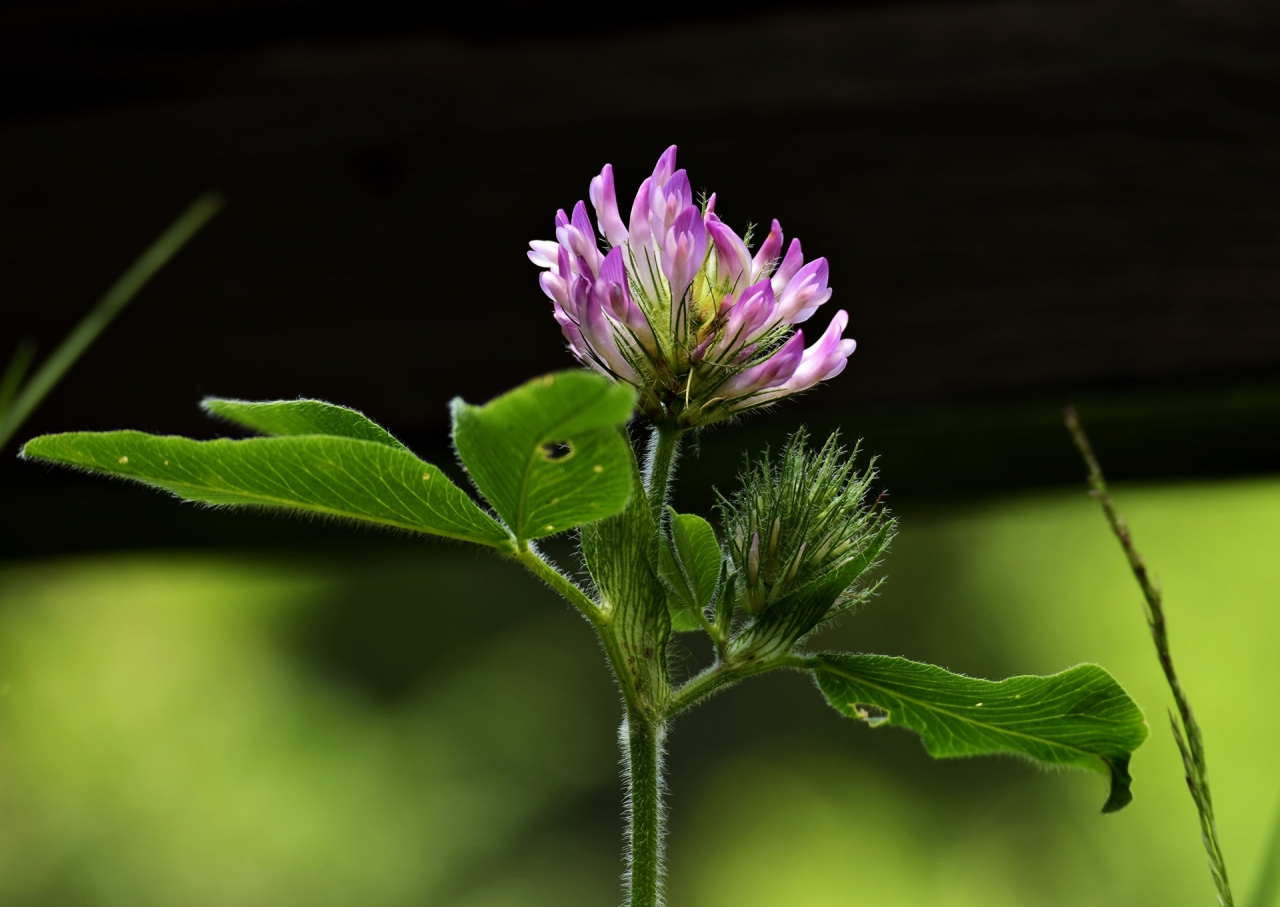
x=801 y=519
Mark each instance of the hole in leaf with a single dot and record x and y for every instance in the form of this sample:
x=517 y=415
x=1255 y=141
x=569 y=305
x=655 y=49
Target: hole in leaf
x=871 y=714
x=557 y=450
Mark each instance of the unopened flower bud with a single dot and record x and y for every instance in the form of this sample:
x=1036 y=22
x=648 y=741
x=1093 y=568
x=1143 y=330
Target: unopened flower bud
x=812 y=511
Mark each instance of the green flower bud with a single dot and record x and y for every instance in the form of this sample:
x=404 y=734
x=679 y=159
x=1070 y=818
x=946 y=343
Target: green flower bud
x=798 y=519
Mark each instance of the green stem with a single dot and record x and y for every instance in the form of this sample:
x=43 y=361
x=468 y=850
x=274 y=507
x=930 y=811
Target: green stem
x=562 y=584
x=115 y=299
x=658 y=467
x=725 y=674
x=644 y=809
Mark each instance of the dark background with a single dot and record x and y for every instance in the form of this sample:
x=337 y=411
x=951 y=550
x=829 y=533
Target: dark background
x=1023 y=204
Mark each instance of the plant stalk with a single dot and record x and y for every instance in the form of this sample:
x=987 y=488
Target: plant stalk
x=724 y=674
x=1188 y=737
x=645 y=813
x=546 y=572
x=659 y=463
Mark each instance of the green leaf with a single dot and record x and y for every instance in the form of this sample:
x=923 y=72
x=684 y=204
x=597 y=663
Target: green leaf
x=548 y=455
x=1079 y=718
x=621 y=552
x=300 y=417
x=682 y=617
x=724 y=604
x=691 y=568
x=699 y=556
x=331 y=476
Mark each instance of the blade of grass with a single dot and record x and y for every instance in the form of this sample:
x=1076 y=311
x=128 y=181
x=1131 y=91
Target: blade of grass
x=15 y=371
x=1186 y=730
x=116 y=298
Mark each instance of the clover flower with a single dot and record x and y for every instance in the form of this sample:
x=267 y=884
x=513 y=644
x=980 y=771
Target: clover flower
x=679 y=307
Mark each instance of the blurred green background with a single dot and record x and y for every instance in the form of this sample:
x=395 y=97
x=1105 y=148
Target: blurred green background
x=411 y=724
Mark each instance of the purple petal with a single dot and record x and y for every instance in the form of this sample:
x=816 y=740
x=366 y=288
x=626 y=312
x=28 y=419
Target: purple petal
x=605 y=200
x=564 y=264
x=826 y=358
x=555 y=287
x=583 y=238
x=597 y=331
x=733 y=261
x=788 y=267
x=773 y=372
x=665 y=167
x=754 y=312
x=768 y=253
x=683 y=250
x=613 y=269
x=615 y=297
x=573 y=335
x=542 y=252
x=699 y=352
x=639 y=229
x=668 y=201
x=804 y=292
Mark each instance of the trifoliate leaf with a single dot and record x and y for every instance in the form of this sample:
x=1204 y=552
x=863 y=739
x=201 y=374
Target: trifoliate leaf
x=300 y=417
x=345 y=478
x=548 y=455
x=1081 y=717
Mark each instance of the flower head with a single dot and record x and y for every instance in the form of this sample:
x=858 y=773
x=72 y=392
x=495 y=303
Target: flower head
x=679 y=306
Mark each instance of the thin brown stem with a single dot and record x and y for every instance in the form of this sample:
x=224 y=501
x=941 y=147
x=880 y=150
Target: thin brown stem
x=1187 y=731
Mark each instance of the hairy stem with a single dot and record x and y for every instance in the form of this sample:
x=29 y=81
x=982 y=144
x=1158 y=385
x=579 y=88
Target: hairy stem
x=1188 y=737
x=645 y=814
x=659 y=465
x=724 y=674
x=562 y=584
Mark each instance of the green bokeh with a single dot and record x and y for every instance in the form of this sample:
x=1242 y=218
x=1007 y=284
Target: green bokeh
x=421 y=726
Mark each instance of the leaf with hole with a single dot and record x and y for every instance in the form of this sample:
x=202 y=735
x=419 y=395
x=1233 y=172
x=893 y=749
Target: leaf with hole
x=1081 y=717
x=344 y=478
x=549 y=455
